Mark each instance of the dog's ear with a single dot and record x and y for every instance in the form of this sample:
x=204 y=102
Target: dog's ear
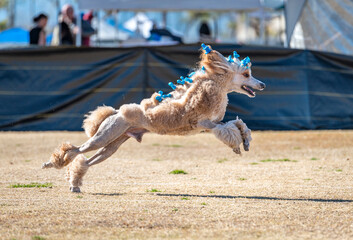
x=214 y=62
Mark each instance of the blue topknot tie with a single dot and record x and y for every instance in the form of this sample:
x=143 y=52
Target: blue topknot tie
x=162 y=96
x=172 y=85
x=203 y=69
x=206 y=48
x=182 y=81
x=230 y=59
x=245 y=62
x=235 y=54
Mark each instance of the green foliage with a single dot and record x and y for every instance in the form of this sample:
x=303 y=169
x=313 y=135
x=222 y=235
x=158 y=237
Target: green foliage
x=222 y=160
x=212 y=191
x=254 y=163
x=4 y=3
x=174 y=145
x=203 y=204
x=279 y=160
x=38 y=238
x=3 y=26
x=178 y=171
x=313 y=159
x=242 y=179
x=32 y=185
x=338 y=170
x=153 y=190
x=185 y=198
x=79 y=196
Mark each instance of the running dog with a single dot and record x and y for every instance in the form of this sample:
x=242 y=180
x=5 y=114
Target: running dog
x=197 y=104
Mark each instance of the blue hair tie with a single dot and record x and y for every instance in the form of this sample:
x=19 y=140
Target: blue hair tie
x=172 y=85
x=188 y=80
x=235 y=54
x=203 y=69
x=206 y=48
x=162 y=96
x=191 y=74
x=230 y=59
x=245 y=62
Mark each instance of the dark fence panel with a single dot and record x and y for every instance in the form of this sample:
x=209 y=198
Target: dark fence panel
x=52 y=88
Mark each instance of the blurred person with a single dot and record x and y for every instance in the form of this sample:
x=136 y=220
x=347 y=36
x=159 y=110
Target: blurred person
x=205 y=32
x=87 y=29
x=37 y=35
x=65 y=32
x=162 y=34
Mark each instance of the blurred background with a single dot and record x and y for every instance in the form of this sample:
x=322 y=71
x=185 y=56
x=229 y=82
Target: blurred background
x=312 y=24
x=60 y=59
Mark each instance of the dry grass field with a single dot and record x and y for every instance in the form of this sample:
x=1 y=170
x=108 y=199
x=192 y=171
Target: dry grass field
x=291 y=185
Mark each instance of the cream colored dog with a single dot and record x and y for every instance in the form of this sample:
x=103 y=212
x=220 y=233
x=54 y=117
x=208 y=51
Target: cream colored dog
x=191 y=108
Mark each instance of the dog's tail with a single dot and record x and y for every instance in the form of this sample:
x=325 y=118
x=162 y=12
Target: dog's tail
x=95 y=118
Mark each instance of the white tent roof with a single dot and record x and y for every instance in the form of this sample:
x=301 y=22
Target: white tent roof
x=171 y=5
x=293 y=10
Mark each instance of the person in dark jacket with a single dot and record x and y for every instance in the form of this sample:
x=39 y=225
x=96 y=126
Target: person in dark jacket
x=37 y=34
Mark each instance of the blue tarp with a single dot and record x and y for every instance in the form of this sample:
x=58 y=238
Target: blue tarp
x=14 y=35
x=52 y=88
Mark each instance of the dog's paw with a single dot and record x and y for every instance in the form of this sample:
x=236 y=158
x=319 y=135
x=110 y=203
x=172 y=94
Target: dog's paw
x=237 y=150
x=246 y=145
x=75 y=189
x=47 y=165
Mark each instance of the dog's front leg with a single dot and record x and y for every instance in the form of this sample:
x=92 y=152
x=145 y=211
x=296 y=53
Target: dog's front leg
x=232 y=133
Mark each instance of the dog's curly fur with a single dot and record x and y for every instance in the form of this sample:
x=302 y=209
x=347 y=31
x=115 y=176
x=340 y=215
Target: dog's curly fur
x=193 y=107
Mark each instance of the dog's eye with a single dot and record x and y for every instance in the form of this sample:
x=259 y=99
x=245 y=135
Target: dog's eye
x=246 y=75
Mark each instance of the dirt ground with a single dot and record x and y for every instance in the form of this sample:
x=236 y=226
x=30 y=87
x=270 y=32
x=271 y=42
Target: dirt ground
x=291 y=185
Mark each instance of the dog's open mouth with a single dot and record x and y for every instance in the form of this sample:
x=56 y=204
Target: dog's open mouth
x=248 y=90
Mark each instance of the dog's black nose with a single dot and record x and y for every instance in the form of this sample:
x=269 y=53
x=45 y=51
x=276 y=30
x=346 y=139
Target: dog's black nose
x=262 y=85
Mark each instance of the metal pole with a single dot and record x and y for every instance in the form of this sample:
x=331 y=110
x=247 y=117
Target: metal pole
x=262 y=23
x=79 y=25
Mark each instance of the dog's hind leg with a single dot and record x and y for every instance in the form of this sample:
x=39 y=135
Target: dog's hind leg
x=110 y=129
x=105 y=152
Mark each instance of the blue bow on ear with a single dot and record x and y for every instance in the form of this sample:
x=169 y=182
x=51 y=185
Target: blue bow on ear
x=206 y=48
x=245 y=62
x=161 y=96
x=235 y=54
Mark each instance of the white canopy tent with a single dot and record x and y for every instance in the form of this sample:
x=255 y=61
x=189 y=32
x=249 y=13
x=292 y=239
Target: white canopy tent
x=171 y=5
x=293 y=10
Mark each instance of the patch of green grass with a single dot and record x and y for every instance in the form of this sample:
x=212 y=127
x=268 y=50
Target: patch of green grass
x=38 y=238
x=212 y=191
x=178 y=171
x=79 y=196
x=278 y=160
x=32 y=185
x=242 y=179
x=297 y=148
x=175 y=210
x=203 y=204
x=153 y=190
x=27 y=160
x=156 y=160
x=254 y=163
x=314 y=159
x=338 y=170
x=155 y=144
x=222 y=160
x=307 y=179
x=185 y=198
x=174 y=145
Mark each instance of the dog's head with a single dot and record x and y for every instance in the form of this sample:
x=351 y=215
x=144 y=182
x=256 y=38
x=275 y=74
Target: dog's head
x=236 y=73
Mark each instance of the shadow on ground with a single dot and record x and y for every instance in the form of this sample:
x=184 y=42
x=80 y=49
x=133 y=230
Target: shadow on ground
x=255 y=197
